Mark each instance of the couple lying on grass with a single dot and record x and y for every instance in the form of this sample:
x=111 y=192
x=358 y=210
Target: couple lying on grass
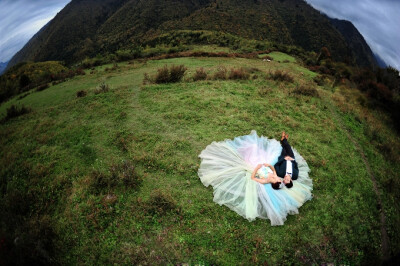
x=256 y=176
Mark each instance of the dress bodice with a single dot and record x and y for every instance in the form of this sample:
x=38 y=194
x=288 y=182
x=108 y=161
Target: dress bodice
x=264 y=171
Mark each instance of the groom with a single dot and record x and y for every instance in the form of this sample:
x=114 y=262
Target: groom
x=286 y=167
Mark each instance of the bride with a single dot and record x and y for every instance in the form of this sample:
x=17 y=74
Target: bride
x=244 y=179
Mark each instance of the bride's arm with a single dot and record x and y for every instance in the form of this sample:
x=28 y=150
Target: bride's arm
x=262 y=180
x=253 y=175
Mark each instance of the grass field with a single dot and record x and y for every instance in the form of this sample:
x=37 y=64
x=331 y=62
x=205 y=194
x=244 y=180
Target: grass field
x=112 y=177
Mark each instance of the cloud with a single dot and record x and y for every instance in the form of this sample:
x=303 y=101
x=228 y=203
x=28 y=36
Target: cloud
x=377 y=20
x=21 y=19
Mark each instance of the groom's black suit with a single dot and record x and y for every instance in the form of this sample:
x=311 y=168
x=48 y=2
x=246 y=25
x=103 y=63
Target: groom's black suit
x=280 y=166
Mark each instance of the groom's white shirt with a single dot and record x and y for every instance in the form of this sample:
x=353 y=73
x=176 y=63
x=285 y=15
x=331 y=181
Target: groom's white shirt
x=289 y=169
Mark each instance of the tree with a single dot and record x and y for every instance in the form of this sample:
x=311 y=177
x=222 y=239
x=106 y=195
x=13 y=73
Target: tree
x=24 y=81
x=323 y=54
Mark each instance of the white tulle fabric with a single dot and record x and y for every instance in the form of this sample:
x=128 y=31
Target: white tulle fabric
x=227 y=166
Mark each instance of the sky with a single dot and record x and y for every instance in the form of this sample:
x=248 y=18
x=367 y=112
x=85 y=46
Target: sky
x=377 y=20
x=21 y=19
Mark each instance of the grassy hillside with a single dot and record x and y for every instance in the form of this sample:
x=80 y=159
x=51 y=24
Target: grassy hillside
x=111 y=177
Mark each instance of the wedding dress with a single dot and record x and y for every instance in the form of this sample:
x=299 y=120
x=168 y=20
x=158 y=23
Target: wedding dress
x=227 y=166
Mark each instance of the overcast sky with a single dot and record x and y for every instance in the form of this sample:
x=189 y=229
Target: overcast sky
x=377 y=20
x=21 y=19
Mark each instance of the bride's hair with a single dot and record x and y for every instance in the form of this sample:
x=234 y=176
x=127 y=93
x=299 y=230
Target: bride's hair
x=276 y=185
x=289 y=185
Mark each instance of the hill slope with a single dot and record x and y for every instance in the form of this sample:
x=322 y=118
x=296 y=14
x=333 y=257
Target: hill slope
x=111 y=177
x=356 y=42
x=87 y=27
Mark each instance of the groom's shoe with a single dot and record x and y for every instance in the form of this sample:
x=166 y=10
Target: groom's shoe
x=283 y=135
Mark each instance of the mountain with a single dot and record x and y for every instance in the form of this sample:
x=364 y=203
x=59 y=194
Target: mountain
x=359 y=47
x=380 y=61
x=3 y=66
x=85 y=28
x=64 y=36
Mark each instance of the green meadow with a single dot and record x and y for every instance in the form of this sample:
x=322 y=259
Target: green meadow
x=111 y=177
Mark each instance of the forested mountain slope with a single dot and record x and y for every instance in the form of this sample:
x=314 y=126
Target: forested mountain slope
x=85 y=28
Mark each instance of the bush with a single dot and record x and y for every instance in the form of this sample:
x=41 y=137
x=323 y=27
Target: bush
x=281 y=76
x=147 y=79
x=162 y=75
x=103 y=87
x=165 y=75
x=176 y=73
x=160 y=203
x=320 y=80
x=125 y=174
x=306 y=90
x=24 y=81
x=119 y=175
x=221 y=73
x=80 y=71
x=15 y=111
x=378 y=91
x=42 y=87
x=200 y=74
x=81 y=93
x=238 y=74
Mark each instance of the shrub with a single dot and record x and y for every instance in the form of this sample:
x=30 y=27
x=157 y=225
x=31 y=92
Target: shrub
x=80 y=71
x=221 y=73
x=42 y=87
x=160 y=203
x=15 y=111
x=125 y=174
x=162 y=75
x=320 y=80
x=379 y=92
x=119 y=175
x=147 y=79
x=281 y=76
x=306 y=90
x=200 y=74
x=240 y=73
x=103 y=87
x=176 y=73
x=24 y=81
x=81 y=93
x=165 y=75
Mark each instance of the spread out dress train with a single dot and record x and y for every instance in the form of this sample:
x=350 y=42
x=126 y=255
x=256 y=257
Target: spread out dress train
x=227 y=166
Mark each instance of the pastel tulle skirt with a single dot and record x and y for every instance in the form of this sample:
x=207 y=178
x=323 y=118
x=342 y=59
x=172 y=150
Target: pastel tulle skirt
x=227 y=166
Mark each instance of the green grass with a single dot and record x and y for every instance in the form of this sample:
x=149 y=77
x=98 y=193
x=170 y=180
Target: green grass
x=282 y=57
x=49 y=158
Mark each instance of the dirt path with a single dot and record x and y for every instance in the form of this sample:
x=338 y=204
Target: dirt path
x=384 y=236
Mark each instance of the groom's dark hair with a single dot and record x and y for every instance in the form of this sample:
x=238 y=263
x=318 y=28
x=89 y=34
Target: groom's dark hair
x=276 y=185
x=289 y=185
